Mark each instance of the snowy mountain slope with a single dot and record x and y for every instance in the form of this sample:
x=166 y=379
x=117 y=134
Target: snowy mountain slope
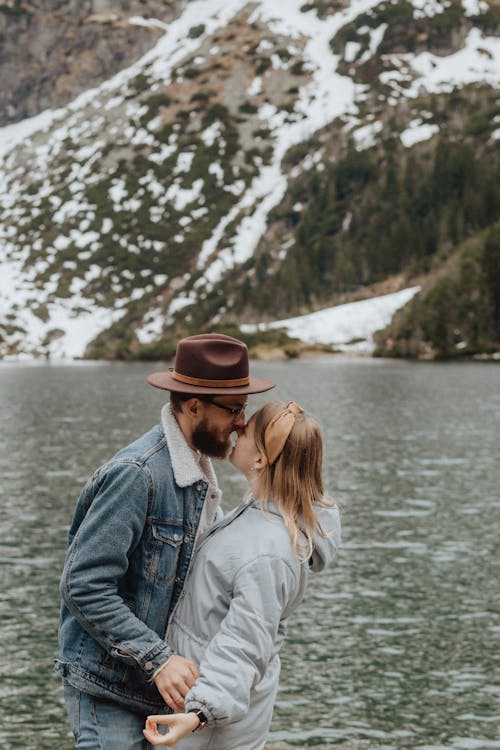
x=133 y=204
x=349 y=327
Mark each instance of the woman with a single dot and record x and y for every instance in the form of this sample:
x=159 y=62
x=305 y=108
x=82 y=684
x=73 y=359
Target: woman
x=249 y=574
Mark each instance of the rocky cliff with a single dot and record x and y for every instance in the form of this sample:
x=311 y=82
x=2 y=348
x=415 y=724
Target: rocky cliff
x=50 y=54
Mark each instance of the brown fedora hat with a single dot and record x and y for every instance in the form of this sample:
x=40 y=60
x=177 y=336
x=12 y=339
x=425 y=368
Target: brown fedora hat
x=209 y=364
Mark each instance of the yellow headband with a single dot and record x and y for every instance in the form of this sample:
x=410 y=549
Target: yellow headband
x=278 y=430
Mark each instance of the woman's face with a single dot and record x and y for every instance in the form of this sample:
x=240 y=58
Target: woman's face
x=245 y=455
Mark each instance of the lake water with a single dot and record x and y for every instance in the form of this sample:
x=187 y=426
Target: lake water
x=398 y=646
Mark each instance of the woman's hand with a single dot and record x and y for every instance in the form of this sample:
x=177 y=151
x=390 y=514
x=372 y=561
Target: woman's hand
x=178 y=726
x=175 y=679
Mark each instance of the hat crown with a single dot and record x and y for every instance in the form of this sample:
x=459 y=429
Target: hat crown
x=212 y=357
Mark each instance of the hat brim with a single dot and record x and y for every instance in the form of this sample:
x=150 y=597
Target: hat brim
x=167 y=382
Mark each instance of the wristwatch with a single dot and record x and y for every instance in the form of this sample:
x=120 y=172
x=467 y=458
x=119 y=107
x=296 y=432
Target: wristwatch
x=203 y=719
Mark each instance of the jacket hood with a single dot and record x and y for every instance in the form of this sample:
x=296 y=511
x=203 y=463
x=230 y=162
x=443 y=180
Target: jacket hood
x=325 y=547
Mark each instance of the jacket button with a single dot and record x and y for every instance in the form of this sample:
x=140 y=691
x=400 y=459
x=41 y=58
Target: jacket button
x=177 y=537
x=149 y=665
x=199 y=487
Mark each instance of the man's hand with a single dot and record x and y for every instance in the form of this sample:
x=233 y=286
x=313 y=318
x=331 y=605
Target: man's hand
x=178 y=726
x=175 y=680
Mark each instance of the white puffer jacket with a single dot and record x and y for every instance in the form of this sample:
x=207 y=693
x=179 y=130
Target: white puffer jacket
x=232 y=616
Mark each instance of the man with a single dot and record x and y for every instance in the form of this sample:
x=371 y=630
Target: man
x=131 y=543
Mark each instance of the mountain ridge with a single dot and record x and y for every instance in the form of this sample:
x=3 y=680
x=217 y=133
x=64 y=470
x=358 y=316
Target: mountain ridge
x=183 y=192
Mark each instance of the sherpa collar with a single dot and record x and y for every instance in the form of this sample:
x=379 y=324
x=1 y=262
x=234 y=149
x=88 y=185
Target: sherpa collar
x=189 y=466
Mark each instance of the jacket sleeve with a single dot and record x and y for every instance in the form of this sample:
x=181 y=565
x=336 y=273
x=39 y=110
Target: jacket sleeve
x=240 y=653
x=98 y=557
x=326 y=545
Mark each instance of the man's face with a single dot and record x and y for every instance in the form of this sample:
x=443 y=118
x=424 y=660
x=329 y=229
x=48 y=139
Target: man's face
x=212 y=435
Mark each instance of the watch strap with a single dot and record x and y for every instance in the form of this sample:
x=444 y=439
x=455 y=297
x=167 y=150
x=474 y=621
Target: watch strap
x=201 y=716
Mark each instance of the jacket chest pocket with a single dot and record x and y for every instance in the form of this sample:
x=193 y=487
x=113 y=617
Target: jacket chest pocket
x=165 y=550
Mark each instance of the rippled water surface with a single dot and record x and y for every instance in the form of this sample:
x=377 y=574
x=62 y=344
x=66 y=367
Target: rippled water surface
x=396 y=647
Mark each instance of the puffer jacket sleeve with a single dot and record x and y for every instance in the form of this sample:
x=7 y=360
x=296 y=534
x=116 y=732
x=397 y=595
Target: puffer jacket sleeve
x=238 y=656
x=98 y=557
x=327 y=543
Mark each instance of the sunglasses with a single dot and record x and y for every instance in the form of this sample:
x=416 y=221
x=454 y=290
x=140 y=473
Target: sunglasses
x=235 y=413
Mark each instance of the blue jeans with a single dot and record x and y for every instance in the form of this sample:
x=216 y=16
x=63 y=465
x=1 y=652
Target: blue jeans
x=102 y=725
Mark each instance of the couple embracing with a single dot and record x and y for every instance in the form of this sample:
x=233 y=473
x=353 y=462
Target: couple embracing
x=173 y=614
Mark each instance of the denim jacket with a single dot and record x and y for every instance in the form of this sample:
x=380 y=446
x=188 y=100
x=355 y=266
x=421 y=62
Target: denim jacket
x=129 y=550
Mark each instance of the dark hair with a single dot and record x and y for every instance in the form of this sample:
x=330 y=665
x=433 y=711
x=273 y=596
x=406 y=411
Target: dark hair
x=177 y=400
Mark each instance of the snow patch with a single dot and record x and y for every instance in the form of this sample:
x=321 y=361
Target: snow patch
x=474 y=7
x=255 y=87
x=478 y=61
x=351 y=51
x=347 y=327
x=418 y=132
x=365 y=137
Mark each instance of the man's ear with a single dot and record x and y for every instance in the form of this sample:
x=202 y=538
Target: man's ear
x=192 y=407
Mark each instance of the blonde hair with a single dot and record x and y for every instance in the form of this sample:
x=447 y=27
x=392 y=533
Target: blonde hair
x=295 y=479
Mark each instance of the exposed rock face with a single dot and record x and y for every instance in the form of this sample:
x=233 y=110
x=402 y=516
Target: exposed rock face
x=48 y=56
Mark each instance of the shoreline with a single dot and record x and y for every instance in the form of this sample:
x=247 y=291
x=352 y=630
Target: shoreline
x=259 y=353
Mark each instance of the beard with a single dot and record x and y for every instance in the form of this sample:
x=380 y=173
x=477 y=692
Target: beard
x=209 y=442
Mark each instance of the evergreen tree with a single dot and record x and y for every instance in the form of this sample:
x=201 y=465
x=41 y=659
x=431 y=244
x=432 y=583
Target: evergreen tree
x=491 y=270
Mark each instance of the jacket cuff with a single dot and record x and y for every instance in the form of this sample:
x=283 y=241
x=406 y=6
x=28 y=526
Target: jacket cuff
x=196 y=705
x=162 y=666
x=155 y=659
x=214 y=718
